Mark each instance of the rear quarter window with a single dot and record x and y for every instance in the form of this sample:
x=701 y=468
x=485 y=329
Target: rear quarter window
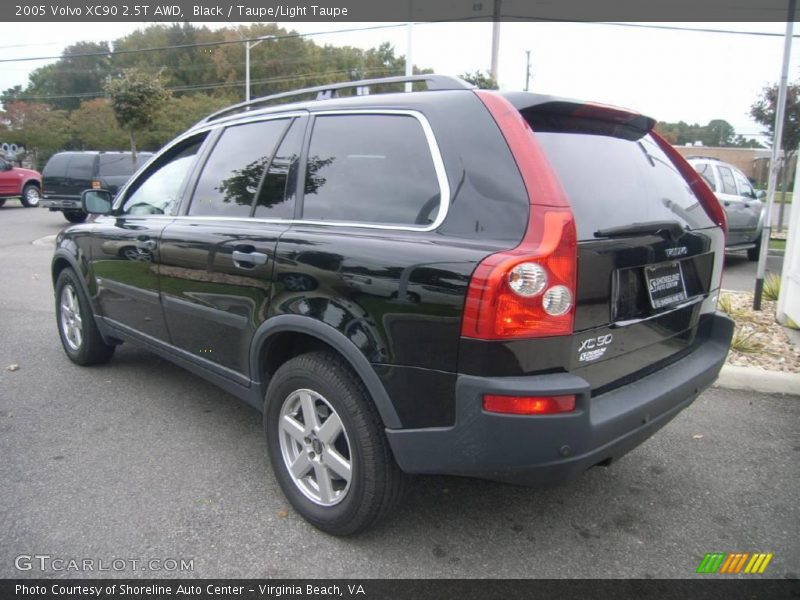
x=370 y=169
x=81 y=166
x=56 y=166
x=116 y=165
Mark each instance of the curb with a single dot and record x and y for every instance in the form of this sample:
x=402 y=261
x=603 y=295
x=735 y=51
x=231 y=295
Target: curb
x=758 y=380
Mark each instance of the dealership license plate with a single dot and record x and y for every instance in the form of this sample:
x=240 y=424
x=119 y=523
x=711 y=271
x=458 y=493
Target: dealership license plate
x=665 y=285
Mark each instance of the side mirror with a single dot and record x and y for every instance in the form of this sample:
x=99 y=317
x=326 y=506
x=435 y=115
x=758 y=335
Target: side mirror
x=760 y=194
x=96 y=202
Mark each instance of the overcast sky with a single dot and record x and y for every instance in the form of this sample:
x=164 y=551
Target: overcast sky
x=669 y=75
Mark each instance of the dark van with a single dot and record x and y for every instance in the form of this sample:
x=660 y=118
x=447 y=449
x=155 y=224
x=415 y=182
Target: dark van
x=67 y=174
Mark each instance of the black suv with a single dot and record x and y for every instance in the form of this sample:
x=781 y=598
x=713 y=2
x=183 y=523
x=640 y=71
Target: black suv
x=508 y=286
x=67 y=174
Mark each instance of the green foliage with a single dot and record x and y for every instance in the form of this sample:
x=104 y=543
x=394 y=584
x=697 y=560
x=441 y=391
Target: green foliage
x=763 y=111
x=94 y=127
x=480 y=79
x=772 y=287
x=718 y=133
x=71 y=98
x=136 y=97
x=42 y=130
x=743 y=341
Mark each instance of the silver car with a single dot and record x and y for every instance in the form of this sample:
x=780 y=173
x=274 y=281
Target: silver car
x=742 y=204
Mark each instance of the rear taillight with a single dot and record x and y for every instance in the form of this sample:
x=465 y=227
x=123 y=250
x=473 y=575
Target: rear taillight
x=96 y=184
x=528 y=405
x=708 y=200
x=528 y=291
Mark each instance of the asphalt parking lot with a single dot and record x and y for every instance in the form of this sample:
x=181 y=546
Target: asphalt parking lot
x=140 y=460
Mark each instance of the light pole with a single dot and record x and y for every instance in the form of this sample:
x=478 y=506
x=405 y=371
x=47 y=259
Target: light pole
x=248 y=44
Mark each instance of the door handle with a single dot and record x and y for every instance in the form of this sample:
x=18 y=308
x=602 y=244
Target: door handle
x=146 y=245
x=248 y=258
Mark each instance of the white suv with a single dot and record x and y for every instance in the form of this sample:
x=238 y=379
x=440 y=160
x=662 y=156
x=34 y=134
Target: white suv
x=741 y=202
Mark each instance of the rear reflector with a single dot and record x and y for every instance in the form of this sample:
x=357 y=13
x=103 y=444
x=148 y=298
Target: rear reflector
x=528 y=291
x=528 y=405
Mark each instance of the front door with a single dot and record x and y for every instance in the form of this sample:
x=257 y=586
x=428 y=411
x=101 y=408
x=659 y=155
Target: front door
x=125 y=250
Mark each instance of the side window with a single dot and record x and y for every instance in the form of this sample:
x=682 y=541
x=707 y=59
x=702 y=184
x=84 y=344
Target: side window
x=707 y=173
x=56 y=166
x=745 y=189
x=81 y=166
x=370 y=169
x=728 y=184
x=277 y=195
x=156 y=191
x=233 y=173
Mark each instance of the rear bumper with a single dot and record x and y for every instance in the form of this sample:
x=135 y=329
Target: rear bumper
x=61 y=203
x=549 y=449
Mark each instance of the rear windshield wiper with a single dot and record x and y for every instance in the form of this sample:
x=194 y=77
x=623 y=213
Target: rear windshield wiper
x=673 y=229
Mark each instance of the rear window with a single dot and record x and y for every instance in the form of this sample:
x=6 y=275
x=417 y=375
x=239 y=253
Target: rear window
x=116 y=165
x=616 y=176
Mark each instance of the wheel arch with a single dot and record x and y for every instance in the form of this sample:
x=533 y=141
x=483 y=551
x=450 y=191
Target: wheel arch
x=285 y=336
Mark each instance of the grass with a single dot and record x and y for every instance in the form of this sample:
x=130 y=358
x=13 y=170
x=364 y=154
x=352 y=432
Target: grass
x=779 y=196
x=725 y=304
x=743 y=342
x=777 y=244
x=772 y=287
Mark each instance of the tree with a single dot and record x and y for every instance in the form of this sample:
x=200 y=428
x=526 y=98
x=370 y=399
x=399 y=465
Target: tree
x=136 y=98
x=483 y=80
x=95 y=127
x=763 y=111
x=42 y=130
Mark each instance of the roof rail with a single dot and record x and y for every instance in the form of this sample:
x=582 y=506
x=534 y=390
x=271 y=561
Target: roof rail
x=324 y=92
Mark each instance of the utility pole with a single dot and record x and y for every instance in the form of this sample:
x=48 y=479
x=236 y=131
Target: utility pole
x=527 y=69
x=780 y=111
x=495 y=38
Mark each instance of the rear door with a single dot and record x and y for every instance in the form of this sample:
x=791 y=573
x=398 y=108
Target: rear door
x=125 y=250
x=751 y=207
x=217 y=259
x=736 y=208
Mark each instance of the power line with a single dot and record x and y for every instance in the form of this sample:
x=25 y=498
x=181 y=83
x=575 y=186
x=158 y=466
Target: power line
x=208 y=86
x=199 y=44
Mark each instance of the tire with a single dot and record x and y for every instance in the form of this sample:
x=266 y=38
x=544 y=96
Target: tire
x=753 y=254
x=322 y=381
x=77 y=329
x=30 y=196
x=75 y=216
x=2 y=202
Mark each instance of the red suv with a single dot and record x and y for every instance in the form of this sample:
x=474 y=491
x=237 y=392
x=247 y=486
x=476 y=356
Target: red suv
x=16 y=182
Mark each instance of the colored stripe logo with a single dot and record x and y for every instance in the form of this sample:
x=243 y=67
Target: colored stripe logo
x=733 y=563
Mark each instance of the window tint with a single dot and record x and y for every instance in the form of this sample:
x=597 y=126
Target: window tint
x=156 y=191
x=81 y=166
x=56 y=166
x=114 y=165
x=613 y=181
x=707 y=173
x=233 y=172
x=728 y=185
x=277 y=195
x=370 y=168
x=745 y=189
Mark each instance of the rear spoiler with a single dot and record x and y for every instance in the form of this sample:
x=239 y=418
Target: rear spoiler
x=552 y=105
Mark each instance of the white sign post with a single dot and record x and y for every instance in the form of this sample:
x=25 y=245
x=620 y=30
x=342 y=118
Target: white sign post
x=789 y=299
